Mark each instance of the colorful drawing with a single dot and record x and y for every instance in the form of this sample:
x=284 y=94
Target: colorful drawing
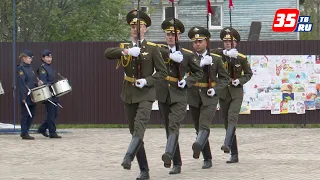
x=300 y=107
x=287 y=96
x=291 y=107
x=310 y=105
x=284 y=107
x=275 y=108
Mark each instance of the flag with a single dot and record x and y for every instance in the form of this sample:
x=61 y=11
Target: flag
x=209 y=7
x=230 y=5
x=171 y=1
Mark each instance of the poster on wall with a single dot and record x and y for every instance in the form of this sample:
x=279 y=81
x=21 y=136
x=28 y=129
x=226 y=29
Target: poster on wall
x=281 y=84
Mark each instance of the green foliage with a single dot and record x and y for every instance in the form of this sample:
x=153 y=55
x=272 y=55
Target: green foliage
x=311 y=8
x=65 y=20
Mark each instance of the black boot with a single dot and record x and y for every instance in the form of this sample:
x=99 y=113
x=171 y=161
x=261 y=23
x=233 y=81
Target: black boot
x=54 y=135
x=207 y=164
x=170 y=150
x=229 y=137
x=27 y=137
x=144 y=175
x=142 y=159
x=199 y=143
x=234 y=151
x=44 y=133
x=133 y=148
x=176 y=169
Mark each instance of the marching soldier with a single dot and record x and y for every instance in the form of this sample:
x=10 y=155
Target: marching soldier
x=231 y=98
x=138 y=92
x=171 y=92
x=46 y=75
x=203 y=96
x=26 y=81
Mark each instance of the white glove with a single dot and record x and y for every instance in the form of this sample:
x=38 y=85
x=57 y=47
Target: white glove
x=176 y=56
x=231 y=53
x=235 y=82
x=207 y=60
x=211 y=92
x=140 y=83
x=182 y=83
x=134 y=51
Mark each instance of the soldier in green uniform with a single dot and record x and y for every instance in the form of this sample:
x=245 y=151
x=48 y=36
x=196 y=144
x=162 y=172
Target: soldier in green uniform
x=231 y=98
x=138 y=91
x=203 y=96
x=172 y=93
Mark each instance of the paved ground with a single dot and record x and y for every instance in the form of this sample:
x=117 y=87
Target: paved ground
x=96 y=154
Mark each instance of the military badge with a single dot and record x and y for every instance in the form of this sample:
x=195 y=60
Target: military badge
x=43 y=71
x=21 y=72
x=237 y=65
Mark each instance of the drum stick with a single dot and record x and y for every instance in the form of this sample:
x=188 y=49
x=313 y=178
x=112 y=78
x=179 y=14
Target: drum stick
x=52 y=102
x=61 y=76
x=25 y=104
x=59 y=105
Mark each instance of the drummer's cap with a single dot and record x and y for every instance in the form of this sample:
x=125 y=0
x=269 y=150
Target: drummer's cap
x=46 y=52
x=28 y=53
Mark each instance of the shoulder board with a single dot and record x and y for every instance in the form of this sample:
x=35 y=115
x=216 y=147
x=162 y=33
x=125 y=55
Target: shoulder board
x=151 y=43
x=213 y=54
x=123 y=44
x=242 y=55
x=187 y=50
x=162 y=45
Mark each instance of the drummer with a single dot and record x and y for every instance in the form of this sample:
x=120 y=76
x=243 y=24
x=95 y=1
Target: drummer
x=26 y=81
x=46 y=75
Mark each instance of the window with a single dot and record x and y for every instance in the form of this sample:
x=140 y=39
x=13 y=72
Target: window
x=216 y=20
x=168 y=13
x=144 y=9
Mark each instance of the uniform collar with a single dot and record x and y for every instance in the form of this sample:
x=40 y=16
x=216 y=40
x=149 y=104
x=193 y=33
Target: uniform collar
x=133 y=43
x=173 y=49
x=45 y=64
x=204 y=54
x=25 y=64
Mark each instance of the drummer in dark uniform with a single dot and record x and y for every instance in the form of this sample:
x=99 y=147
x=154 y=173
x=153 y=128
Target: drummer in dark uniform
x=46 y=75
x=26 y=81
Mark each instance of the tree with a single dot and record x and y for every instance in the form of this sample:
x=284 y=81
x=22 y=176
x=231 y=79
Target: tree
x=311 y=8
x=65 y=20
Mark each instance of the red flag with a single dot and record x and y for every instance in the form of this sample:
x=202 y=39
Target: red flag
x=230 y=4
x=171 y=1
x=209 y=7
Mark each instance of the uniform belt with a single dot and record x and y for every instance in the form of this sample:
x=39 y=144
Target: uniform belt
x=198 y=84
x=130 y=79
x=172 y=79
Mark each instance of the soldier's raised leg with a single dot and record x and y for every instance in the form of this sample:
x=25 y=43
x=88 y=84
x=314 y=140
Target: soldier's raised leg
x=233 y=115
x=177 y=163
x=206 y=151
x=234 y=151
x=176 y=115
x=206 y=115
x=137 y=114
x=224 y=108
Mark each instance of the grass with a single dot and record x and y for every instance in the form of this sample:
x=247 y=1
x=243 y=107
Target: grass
x=83 y=126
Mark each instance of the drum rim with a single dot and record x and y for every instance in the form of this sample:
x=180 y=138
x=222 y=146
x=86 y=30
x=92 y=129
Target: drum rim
x=39 y=87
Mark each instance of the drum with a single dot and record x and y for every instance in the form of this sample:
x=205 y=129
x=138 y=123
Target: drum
x=40 y=94
x=1 y=89
x=61 y=87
